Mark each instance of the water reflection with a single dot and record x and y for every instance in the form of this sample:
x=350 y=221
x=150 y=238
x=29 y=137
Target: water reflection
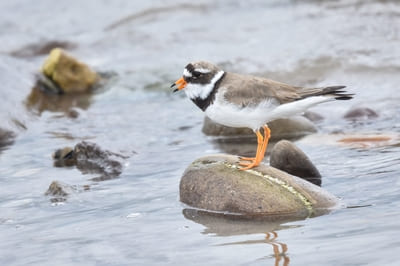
x=39 y=101
x=230 y=225
x=222 y=224
x=279 y=249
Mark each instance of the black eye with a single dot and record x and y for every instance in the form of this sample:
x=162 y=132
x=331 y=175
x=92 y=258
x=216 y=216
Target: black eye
x=196 y=74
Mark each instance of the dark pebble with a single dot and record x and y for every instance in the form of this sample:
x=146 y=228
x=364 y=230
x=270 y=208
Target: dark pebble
x=290 y=159
x=361 y=113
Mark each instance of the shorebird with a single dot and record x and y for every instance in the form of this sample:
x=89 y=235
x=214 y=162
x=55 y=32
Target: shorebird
x=237 y=100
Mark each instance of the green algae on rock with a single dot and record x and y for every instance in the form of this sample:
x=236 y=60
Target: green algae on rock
x=69 y=74
x=214 y=183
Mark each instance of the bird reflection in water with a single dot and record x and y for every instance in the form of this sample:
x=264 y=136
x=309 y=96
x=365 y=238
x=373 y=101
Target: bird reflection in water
x=225 y=226
x=279 y=249
x=278 y=254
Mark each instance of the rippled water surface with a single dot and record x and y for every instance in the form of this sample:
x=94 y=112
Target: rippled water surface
x=137 y=219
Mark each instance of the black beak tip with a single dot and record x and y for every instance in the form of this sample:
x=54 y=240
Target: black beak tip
x=175 y=90
x=173 y=85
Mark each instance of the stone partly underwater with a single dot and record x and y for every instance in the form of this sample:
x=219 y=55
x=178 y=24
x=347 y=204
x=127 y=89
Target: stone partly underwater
x=214 y=183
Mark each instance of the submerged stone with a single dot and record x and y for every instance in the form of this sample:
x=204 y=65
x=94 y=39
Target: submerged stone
x=289 y=158
x=6 y=138
x=214 y=183
x=59 y=191
x=89 y=158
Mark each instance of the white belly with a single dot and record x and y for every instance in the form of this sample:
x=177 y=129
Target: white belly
x=255 y=117
x=232 y=116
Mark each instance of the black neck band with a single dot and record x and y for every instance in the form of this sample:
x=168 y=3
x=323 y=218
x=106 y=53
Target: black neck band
x=204 y=103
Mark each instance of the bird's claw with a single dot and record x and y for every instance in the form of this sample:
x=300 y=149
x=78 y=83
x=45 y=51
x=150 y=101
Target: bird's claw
x=248 y=165
x=247 y=158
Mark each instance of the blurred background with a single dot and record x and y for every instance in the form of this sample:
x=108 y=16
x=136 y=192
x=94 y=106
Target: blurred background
x=136 y=219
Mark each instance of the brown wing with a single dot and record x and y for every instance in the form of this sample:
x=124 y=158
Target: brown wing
x=245 y=90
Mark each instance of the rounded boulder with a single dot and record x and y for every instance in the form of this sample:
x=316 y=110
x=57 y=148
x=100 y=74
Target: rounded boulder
x=215 y=183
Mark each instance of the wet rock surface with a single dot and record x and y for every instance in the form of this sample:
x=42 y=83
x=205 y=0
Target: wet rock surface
x=59 y=191
x=289 y=158
x=214 y=183
x=90 y=159
x=282 y=128
x=6 y=138
x=67 y=73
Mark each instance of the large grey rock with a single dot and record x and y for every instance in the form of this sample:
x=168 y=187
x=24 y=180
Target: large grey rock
x=282 y=128
x=289 y=158
x=215 y=184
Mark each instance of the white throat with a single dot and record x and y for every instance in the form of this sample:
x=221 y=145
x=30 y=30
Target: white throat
x=202 y=90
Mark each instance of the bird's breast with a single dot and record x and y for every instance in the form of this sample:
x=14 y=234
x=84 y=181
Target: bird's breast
x=232 y=115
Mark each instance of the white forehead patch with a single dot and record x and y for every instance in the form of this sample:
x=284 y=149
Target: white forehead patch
x=186 y=73
x=203 y=70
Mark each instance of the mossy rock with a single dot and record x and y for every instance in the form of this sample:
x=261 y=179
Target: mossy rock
x=214 y=183
x=69 y=74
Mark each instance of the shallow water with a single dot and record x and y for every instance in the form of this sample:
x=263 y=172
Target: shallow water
x=137 y=219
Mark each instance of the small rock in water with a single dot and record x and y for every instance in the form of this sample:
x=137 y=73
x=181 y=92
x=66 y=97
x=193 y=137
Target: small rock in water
x=90 y=159
x=6 y=138
x=289 y=158
x=72 y=113
x=282 y=128
x=64 y=157
x=312 y=116
x=214 y=183
x=67 y=74
x=361 y=113
x=59 y=191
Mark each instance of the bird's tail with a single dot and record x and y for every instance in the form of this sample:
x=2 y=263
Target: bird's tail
x=336 y=92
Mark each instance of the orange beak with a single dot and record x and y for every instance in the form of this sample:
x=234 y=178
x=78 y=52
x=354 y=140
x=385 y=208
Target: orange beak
x=180 y=83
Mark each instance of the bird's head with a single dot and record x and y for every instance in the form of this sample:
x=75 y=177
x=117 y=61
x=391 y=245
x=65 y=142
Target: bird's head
x=198 y=79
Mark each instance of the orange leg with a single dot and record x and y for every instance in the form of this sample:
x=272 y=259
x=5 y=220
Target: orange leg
x=263 y=140
x=260 y=140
